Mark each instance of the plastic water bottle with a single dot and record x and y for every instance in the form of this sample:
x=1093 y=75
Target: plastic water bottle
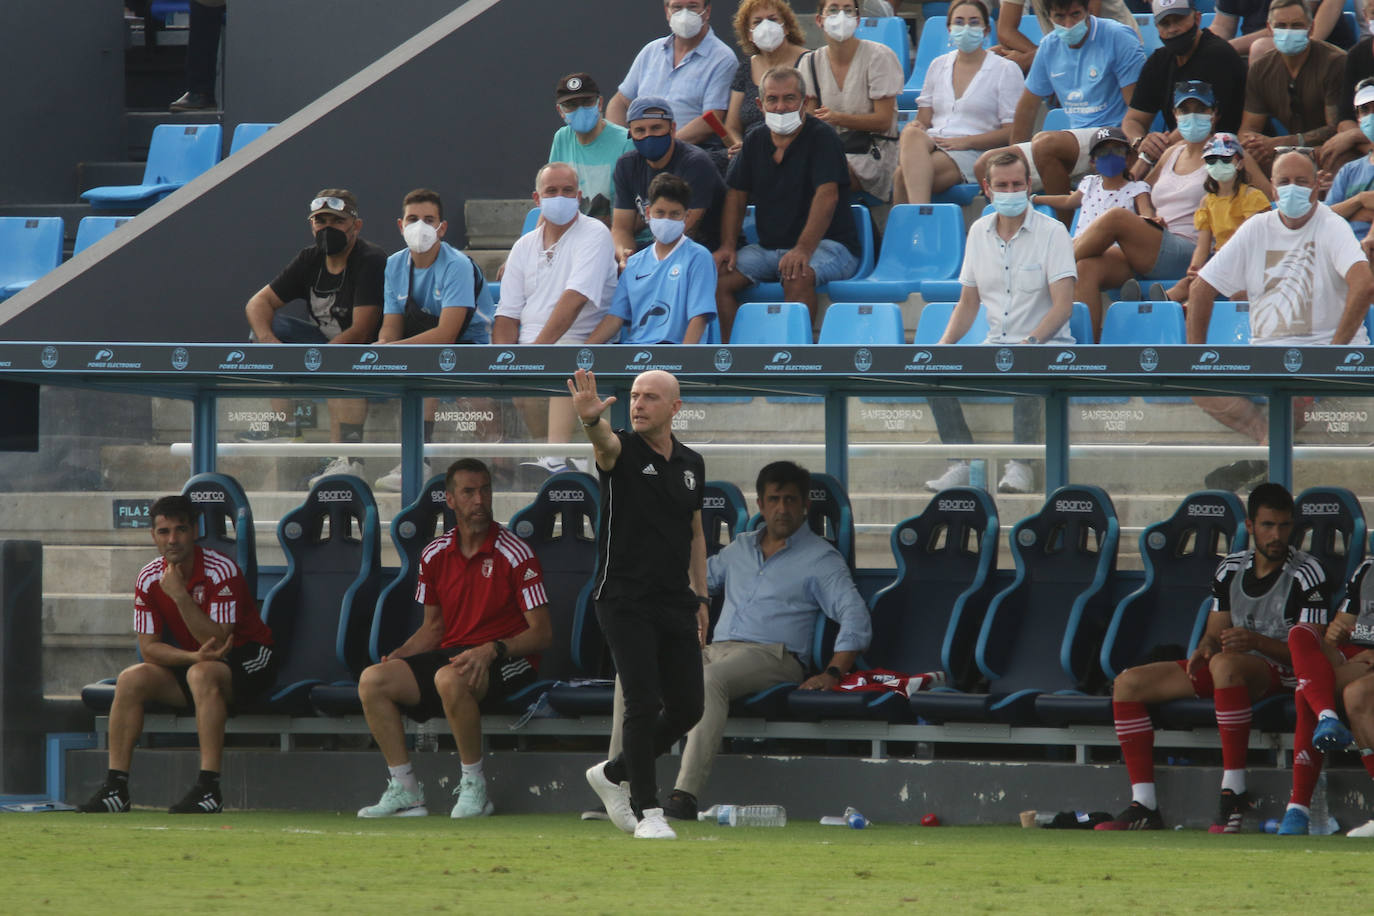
x=745 y=815
x=1320 y=821
x=854 y=818
x=978 y=474
x=425 y=737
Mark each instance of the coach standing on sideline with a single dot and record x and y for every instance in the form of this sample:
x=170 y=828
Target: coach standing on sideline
x=650 y=592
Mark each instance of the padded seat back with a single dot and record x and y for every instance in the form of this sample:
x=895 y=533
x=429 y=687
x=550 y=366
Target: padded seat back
x=1328 y=522
x=724 y=513
x=398 y=614
x=1044 y=631
x=929 y=617
x=321 y=611
x=1181 y=555
x=226 y=522
x=560 y=527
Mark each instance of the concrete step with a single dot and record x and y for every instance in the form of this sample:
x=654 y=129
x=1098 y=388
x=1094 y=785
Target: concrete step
x=494 y=223
x=138 y=126
x=488 y=260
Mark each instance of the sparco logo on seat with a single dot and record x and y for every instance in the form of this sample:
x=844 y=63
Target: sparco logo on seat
x=1072 y=505
x=565 y=496
x=956 y=505
x=1321 y=509
x=1207 y=510
x=334 y=496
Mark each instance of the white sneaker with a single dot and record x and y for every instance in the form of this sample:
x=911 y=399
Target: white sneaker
x=654 y=826
x=1364 y=830
x=956 y=475
x=340 y=465
x=472 y=798
x=390 y=482
x=616 y=798
x=1016 y=478
x=397 y=802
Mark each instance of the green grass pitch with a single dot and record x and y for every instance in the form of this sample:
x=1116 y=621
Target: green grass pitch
x=288 y=862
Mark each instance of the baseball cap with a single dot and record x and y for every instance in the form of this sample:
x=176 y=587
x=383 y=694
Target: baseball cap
x=650 y=106
x=1107 y=135
x=576 y=86
x=1194 y=89
x=336 y=200
x=1222 y=144
x=1163 y=8
x=1364 y=93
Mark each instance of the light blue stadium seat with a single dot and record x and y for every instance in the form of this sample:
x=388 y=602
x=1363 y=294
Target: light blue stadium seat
x=1149 y=32
x=890 y=31
x=29 y=247
x=177 y=154
x=933 y=42
x=1145 y=323
x=245 y=134
x=92 y=229
x=935 y=318
x=921 y=242
x=1209 y=6
x=766 y=323
x=961 y=194
x=1207 y=18
x=772 y=291
x=495 y=287
x=904 y=117
x=531 y=220
x=863 y=324
x=750 y=227
x=1081 y=324
x=1056 y=119
x=1229 y=324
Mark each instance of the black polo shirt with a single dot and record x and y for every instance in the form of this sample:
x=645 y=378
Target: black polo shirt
x=647 y=504
x=781 y=192
x=1213 y=61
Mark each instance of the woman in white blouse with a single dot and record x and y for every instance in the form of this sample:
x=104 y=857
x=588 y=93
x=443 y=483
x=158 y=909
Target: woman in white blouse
x=966 y=107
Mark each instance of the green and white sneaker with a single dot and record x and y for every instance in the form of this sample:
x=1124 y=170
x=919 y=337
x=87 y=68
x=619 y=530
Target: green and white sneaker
x=397 y=802
x=472 y=798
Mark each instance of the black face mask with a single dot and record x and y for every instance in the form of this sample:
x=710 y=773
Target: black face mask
x=1182 y=43
x=331 y=240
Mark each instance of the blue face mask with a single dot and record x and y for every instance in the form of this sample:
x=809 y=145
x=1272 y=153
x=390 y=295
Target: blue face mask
x=1367 y=126
x=1010 y=203
x=1111 y=165
x=1195 y=127
x=966 y=38
x=1074 y=33
x=584 y=119
x=653 y=148
x=1290 y=41
x=1294 y=200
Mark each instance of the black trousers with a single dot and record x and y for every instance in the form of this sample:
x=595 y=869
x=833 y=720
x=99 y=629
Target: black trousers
x=658 y=658
x=202 y=48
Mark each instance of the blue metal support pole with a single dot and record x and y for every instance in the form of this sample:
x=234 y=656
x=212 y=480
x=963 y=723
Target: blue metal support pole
x=412 y=445
x=1281 y=438
x=203 y=431
x=1056 y=440
x=837 y=435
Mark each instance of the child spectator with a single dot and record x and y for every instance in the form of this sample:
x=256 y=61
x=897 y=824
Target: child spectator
x=1107 y=187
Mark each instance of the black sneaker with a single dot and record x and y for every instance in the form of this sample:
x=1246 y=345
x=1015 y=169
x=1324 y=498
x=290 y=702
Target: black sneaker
x=1235 y=476
x=199 y=800
x=1136 y=817
x=681 y=806
x=110 y=798
x=1231 y=811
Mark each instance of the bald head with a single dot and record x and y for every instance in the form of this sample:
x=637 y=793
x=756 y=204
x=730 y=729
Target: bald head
x=655 y=398
x=555 y=172
x=1294 y=164
x=663 y=382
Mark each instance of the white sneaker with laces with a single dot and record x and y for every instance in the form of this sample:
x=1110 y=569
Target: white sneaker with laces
x=340 y=465
x=390 y=482
x=1364 y=830
x=472 y=798
x=1016 y=478
x=397 y=802
x=956 y=475
x=654 y=826
x=616 y=798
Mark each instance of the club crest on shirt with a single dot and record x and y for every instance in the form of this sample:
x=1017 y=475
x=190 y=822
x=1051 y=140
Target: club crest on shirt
x=198 y=594
x=689 y=479
x=487 y=565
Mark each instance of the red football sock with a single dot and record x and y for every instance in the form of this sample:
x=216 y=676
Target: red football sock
x=1367 y=758
x=1316 y=681
x=1233 y=721
x=1307 y=762
x=1136 y=733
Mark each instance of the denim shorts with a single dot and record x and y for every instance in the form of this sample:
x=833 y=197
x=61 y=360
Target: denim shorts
x=1175 y=254
x=831 y=261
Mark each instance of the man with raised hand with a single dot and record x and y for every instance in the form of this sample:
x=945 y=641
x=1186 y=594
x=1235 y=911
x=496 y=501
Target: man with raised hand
x=650 y=590
x=219 y=655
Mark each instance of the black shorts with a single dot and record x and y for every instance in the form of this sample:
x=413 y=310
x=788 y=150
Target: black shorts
x=507 y=676
x=252 y=671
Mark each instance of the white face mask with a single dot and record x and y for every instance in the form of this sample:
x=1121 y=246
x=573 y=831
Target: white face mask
x=559 y=210
x=785 y=123
x=420 y=236
x=767 y=36
x=685 y=24
x=840 y=27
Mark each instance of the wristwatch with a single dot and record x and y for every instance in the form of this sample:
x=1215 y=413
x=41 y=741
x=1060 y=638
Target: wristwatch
x=704 y=599
x=501 y=650
x=1032 y=339
x=834 y=672
x=586 y=425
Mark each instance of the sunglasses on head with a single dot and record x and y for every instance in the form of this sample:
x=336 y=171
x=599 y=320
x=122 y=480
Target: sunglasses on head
x=337 y=204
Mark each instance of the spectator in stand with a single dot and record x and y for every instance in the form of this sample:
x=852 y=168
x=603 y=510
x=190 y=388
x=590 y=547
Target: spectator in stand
x=1349 y=141
x=1255 y=40
x=852 y=85
x=966 y=106
x=559 y=280
x=1351 y=196
x=667 y=293
x=1189 y=53
x=793 y=172
x=1308 y=284
x=1020 y=50
x=1092 y=65
x=340 y=277
x=1298 y=87
x=769 y=33
x=202 y=56
x=434 y=295
x=656 y=152
x=692 y=68
x=1106 y=188
x=588 y=142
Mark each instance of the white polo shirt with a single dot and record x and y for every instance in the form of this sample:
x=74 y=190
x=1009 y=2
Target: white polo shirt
x=1013 y=278
x=535 y=278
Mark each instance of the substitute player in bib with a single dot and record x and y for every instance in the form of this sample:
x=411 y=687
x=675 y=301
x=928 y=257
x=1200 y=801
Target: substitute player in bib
x=220 y=655
x=1257 y=595
x=486 y=618
x=1331 y=665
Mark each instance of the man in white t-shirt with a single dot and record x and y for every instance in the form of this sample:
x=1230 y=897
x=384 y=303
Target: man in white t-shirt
x=557 y=286
x=1306 y=279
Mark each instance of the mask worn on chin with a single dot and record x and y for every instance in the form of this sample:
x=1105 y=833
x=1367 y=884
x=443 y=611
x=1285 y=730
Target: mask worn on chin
x=584 y=119
x=785 y=123
x=667 y=231
x=1181 y=44
x=331 y=240
x=840 y=27
x=420 y=236
x=686 y=24
x=1111 y=165
x=767 y=36
x=653 y=148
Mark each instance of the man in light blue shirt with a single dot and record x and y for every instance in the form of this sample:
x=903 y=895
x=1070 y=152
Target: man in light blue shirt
x=692 y=68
